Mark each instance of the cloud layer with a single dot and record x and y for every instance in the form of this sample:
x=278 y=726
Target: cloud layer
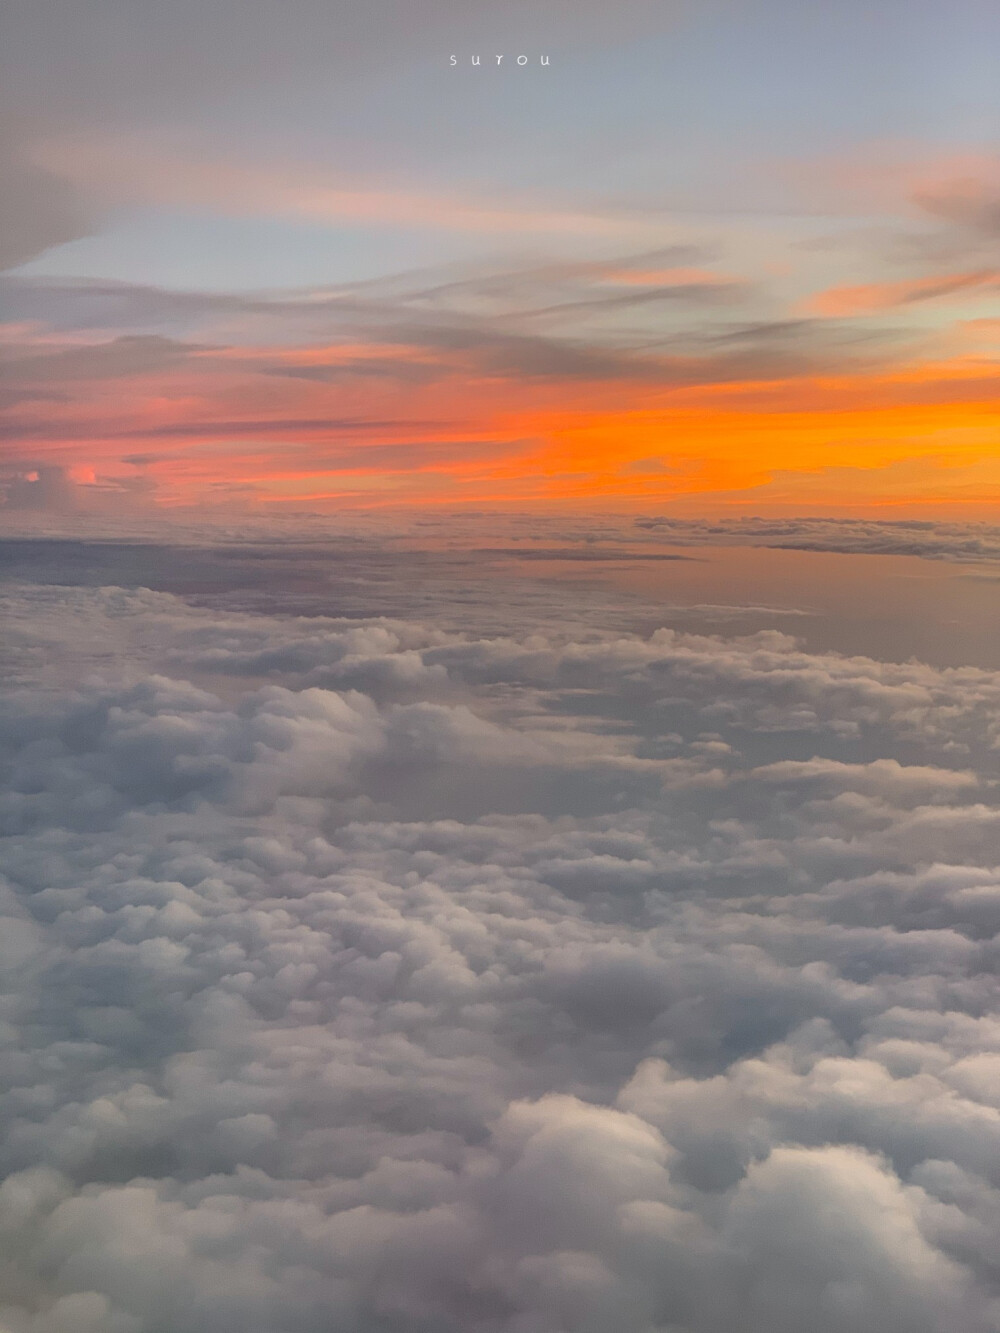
x=371 y=976
x=650 y=366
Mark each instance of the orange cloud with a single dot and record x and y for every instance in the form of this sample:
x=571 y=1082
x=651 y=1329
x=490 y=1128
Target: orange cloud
x=555 y=443
x=872 y=297
x=667 y=277
x=460 y=410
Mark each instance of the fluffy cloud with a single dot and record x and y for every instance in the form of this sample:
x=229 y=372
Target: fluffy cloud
x=372 y=975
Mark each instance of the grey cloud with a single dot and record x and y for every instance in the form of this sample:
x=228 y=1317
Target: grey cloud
x=928 y=538
x=37 y=209
x=140 y=354
x=396 y=368
x=222 y=428
x=514 y=288
x=109 y=306
x=486 y=323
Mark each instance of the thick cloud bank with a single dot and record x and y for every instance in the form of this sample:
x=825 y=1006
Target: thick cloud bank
x=927 y=538
x=367 y=978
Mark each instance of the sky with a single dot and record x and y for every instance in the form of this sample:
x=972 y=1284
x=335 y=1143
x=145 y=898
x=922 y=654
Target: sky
x=711 y=258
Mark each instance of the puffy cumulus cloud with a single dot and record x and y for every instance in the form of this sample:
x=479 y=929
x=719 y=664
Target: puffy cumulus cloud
x=45 y=488
x=48 y=489
x=368 y=975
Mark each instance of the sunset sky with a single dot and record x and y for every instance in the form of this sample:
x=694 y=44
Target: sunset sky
x=500 y=666
x=714 y=257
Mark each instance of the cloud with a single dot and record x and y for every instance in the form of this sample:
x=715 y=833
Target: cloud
x=46 y=488
x=483 y=355
x=382 y=972
x=971 y=201
x=873 y=297
x=138 y=354
x=51 y=489
x=128 y=170
x=930 y=539
x=38 y=210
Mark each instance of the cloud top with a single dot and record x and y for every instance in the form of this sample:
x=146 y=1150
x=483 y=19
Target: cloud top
x=378 y=973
